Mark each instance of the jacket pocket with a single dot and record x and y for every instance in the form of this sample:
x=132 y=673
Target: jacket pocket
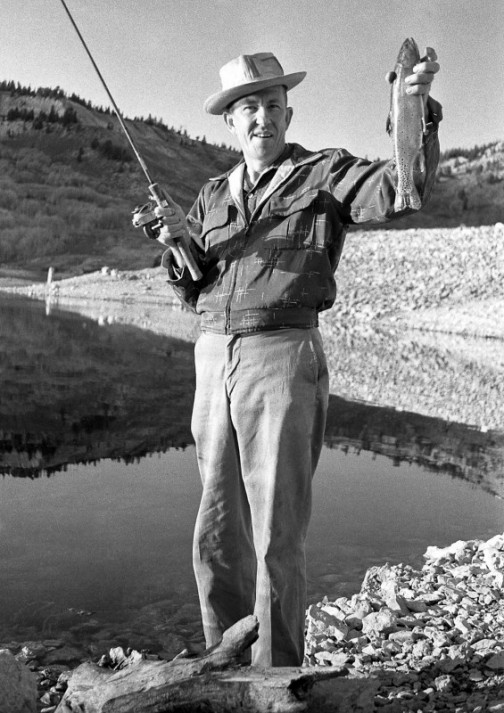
x=218 y=228
x=296 y=222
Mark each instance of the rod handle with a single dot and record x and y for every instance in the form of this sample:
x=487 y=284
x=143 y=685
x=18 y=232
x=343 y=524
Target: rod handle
x=180 y=247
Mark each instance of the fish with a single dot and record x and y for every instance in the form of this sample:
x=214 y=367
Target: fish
x=406 y=126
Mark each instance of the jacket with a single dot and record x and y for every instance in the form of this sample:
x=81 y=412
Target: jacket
x=275 y=268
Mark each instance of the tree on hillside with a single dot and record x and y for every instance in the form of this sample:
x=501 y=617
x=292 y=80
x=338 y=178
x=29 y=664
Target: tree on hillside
x=53 y=116
x=69 y=116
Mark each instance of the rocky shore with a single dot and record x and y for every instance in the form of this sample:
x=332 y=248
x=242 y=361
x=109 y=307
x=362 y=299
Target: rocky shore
x=422 y=640
x=416 y=640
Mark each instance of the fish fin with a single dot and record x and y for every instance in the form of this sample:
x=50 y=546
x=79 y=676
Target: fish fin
x=388 y=125
x=421 y=161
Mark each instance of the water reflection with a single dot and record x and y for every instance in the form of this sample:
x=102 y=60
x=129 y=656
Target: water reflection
x=103 y=554
x=77 y=392
x=444 y=376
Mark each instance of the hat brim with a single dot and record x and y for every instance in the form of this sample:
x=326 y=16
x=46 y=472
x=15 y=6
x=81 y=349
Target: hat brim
x=217 y=103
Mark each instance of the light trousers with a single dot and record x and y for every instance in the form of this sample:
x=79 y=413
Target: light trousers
x=258 y=422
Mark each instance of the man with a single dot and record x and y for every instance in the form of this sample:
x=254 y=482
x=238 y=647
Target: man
x=268 y=237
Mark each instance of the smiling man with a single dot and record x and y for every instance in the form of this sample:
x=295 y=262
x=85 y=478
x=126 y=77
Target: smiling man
x=268 y=236
x=259 y=122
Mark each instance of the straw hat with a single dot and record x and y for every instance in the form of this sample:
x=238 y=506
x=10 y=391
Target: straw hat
x=249 y=73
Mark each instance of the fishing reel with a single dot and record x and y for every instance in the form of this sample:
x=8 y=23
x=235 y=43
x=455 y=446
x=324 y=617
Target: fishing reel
x=145 y=217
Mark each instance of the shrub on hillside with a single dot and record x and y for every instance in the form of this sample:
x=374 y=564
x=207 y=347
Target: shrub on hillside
x=8 y=199
x=493 y=178
x=20 y=242
x=82 y=194
x=110 y=219
x=112 y=151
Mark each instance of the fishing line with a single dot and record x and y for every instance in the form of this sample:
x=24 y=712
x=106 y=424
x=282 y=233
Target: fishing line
x=116 y=109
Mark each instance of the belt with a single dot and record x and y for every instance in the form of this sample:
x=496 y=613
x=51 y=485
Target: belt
x=258 y=320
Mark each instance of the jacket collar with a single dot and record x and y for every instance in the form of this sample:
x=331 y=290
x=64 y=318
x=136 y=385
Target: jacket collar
x=298 y=156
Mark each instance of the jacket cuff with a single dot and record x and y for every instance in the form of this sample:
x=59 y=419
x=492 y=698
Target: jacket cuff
x=175 y=273
x=433 y=115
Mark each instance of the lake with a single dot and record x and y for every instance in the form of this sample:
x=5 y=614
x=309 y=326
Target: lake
x=100 y=488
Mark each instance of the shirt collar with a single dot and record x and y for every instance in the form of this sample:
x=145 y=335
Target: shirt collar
x=286 y=153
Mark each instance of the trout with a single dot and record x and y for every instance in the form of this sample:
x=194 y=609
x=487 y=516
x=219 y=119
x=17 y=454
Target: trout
x=406 y=126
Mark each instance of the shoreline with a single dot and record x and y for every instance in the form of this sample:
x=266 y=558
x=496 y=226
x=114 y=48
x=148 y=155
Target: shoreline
x=444 y=281
x=430 y=639
x=413 y=334
x=111 y=290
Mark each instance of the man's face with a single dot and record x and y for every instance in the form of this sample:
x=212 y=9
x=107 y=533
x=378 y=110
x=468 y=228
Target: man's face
x=259 y=122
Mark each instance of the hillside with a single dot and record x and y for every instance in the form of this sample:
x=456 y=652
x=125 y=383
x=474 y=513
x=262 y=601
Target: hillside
x=69 y=181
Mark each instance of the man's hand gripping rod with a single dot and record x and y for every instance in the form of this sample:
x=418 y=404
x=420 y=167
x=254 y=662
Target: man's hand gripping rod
x=143 y=216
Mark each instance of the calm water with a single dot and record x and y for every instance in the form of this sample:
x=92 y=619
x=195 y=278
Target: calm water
x=100 y=486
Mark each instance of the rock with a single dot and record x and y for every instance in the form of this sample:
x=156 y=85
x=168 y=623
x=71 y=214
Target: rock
x=18 y=687
x=32 y=650
x=320 y=620
x=336 y=659
x=416 y=605
x=381 y=622
x=64 y=655
x=496 y=662
x=484 y=645
x=443 y=683
x=403 y=636
x=462 y=624
x=393 y=599
x=494 y=558
x=334 y=611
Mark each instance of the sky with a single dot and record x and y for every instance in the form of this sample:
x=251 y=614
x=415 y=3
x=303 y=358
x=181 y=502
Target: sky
x=162 y=57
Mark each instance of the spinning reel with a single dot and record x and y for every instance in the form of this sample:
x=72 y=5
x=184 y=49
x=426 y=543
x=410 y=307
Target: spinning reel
x=145 y=217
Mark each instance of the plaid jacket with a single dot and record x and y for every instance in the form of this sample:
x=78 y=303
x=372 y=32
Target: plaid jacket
x=275 y=268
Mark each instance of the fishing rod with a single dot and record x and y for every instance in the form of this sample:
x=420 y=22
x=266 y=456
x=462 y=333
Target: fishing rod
x=143 y=216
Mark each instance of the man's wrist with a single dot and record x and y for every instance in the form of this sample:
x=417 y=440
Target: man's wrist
x=169 y=262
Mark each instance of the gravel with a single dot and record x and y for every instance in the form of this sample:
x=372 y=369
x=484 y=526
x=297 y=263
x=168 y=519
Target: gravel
x=437 y=279
x=430 y=639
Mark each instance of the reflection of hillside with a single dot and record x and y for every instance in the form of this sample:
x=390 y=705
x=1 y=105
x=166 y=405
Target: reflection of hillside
x=453 y=448
x=74 y=391
x=412 y=374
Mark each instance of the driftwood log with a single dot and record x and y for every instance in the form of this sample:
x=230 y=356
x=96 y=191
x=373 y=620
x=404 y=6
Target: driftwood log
x=214 y=682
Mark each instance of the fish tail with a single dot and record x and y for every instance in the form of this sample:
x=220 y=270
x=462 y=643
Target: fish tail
x=407 y=199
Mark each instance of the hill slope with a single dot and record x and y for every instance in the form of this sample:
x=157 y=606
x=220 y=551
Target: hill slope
x=69 y=181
